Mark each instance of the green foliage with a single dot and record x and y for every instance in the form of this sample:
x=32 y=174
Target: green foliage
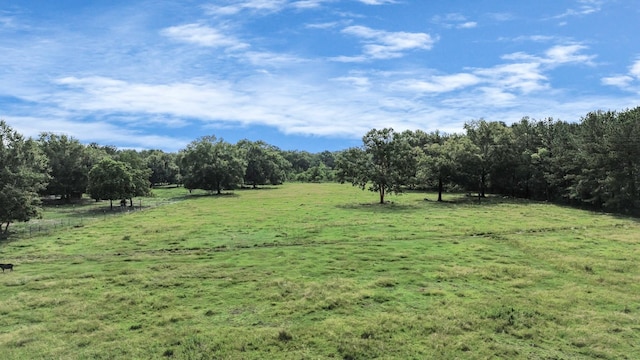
x=114 y=180
x=163 y=166
x=385 y=162
x=300 y=160
x=264 y=163
x=609 y=154
x=443 y=161
x=110 y=180
x=69 y=164
x=493 y=141
x=317 y=174
x=139 y=171
x=23 y=174
x=212 y=165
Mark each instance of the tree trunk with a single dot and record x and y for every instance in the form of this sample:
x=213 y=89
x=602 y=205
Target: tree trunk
x=381 y=194
x=111 y=204
x=440 y=186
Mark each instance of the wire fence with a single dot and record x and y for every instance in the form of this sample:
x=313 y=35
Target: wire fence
x=81 y=215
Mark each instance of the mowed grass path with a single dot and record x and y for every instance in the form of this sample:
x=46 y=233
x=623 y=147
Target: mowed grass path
x=320 y=271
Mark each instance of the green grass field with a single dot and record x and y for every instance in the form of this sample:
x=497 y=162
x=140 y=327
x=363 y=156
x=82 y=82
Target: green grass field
x=320 y=271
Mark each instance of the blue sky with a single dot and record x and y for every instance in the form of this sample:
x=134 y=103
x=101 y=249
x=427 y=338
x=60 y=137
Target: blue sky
x=307 y=74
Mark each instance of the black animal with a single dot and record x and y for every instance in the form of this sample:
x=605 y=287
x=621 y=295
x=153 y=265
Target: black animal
x=6 y=266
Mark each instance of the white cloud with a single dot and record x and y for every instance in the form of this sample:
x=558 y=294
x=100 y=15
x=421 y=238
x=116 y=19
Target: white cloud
x=101 y=132
x=268 y=6
x=262 y=6
x=468 y=25
x=7 y=22
x=179 y=99
x=325 y=25
x=440 y=84
x=555 y=56
x=534 y=38
x=563 y=54
x=629 y=81
x=202 y=35
x=635 y=69
x=447 y=18
x=377 y=2
x=454 y=20
x=349 y=59
x=584 y=7
x=523 y=77
x=379 y=44
x=358 y=82
x=621 y=81
x=302 y=102
x=501 y=16
x=264 y=59
x=307 y=4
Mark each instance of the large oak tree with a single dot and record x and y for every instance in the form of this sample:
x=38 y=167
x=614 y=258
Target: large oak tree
x=211 y=164
x=23 y=174
x=385 y=163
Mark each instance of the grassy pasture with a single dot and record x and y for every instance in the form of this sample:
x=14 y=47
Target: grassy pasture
x=321 y=271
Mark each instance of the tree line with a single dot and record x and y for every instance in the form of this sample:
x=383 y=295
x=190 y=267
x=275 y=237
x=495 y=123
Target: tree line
x=59 y=166
x=594 y=162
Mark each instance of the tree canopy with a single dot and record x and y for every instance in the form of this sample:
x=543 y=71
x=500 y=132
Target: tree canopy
x=211 y=164
x=23 y=174
x=264 y=163
x=69 y=164
x=111 y=180
x=384 y=163
x=594 y=162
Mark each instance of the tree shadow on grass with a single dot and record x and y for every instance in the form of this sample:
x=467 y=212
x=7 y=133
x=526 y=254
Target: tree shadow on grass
x=474 y=200
x=212 y=195
x=259 y=187
x=388 y=207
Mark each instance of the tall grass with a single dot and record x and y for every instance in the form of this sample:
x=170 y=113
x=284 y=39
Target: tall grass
x=322 y=271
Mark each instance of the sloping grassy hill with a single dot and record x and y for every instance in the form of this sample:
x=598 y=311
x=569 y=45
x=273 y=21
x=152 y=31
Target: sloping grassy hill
x=320 y=271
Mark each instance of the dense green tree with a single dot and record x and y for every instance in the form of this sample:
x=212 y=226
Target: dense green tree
x=140 y=173
x=317 y=173
x=300 y=160
x=69 y=164
x=557 y=159
x=23 y=174
x=103 y=150
x=308 y=167
x=493 y=141
x=164 y=168
x=442 y=162
x=211 y=165
x=608 y=146
x=623 y=145
x=593 y=157
x=111 y=180
x=326 y=158
x=264 y=163
x=419 y=141
x=385 y=163
x=528 y=179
